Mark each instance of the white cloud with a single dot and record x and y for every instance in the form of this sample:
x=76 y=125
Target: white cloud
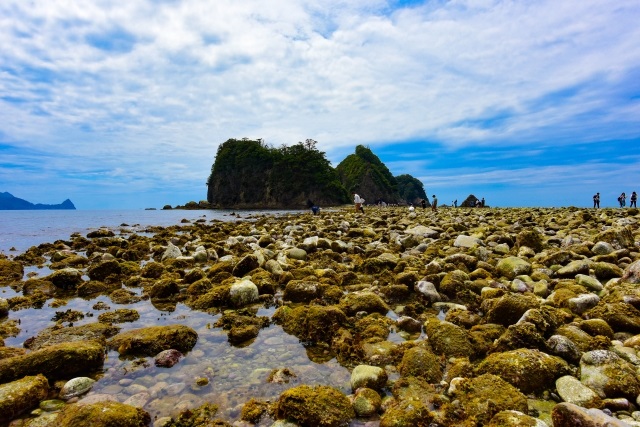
x=144 y=82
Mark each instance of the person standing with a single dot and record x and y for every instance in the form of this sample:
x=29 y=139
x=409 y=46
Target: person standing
x=434 y=203
x=423 y=202
x=633 y=200
x=482 y=203
x=596 y=200
x=455 y=203
x=622 y=199
x=358 y=201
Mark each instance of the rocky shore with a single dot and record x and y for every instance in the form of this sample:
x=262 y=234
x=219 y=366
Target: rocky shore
x=465 y=317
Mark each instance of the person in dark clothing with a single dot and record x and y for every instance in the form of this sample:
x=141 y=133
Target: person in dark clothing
x=423 y=203
x=596 y=200
x=633 y=200
x=314 y=208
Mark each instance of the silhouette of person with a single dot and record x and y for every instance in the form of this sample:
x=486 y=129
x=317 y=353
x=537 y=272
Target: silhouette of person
x=632 y=201
x=596 y=200
x=434 y=203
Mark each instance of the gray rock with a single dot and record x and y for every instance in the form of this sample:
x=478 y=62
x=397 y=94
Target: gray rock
x=368 y=376
x=583 y=302
x=632 y=273
x=168 y=358
x=463 y=241
x=590 y=283
x=602 y=248
x=428 y=290
x=512 y=266
x=297 y=253
x=573 y=268
x=570 y=415
x=561 y=346
x=76 y=387
x=243 y=293
x=422 y=231
x=172 y=252
x=609 y=375
x=571 y=390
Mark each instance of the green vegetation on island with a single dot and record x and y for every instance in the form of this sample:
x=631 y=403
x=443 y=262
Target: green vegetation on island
x=251 y=174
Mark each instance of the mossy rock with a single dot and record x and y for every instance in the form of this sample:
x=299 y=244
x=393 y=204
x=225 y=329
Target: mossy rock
x=448 y=339
x=368 y=376
x=105 y=271
x=253 y=410
x=62 y=360
x=313 y=323
x=514 y=419
x=93 y=287
x=485 y=396
x=216 y=296
x=453 y=282
x=152 y=340
x=363 y=301
x=103 y=414
x=319 y=406
x=530 y=238
x=421 y=362
x=620 y=316
x=119 y=316
x=165 y=288
x=509 y=308
x=512 y=266
x=152 y=270
x=301 y=291
x=374 y=327
x=54 y=335
x=529 y=370
x=240 y=334
x=10 y=271
x=409 y=413
x=19 y=396
x=520 y=335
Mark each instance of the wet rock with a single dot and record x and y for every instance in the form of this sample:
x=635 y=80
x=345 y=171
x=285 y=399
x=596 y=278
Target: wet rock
x=428 y=290
x=55 y=335
x=10 y=271
x=56 y=361
x=243 y=293
x=152 y=270
x=409 y=324
x=301 y=291
x=253 y=410
x=602 y=248
x=105 y=271
x=609 y=375
x=281 y=376
x=632 y=273
x=152 y=340
x=103 y=414
x=21 y=395
x=527 y=369
x=313 y=323
x=52 y=405
x=240 y=334
x=76 y=387
x=121 y=315
x=508 y=309
x=4 y=307
x=245 y=265
x=368 y=376
x=314 y=406
x=168 y=358
x=563 y=347
x=588 y=282
x=570 y=415
x=67 y=278
x=571 y=390
x=366 y=402
x=463 y=241
x=297 y=254
x=583 y=303
x=363 y=301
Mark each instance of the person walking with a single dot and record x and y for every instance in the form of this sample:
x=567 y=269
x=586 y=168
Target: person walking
x=358 y=202
x=434 y=203
x=596 y=200
x=632 y=201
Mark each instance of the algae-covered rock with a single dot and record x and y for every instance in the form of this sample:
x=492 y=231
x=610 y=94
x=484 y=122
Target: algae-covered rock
x=10 y=271
x=314 y=323
x=609 y=375
x=21 y=395
x=421 y=362
x=366 y=402
x=105 y=271
x=512 y=266
x=363 y=301
x=409 y=413
x=62 y=360
x=509 y=308
x=103 y=414
x=301 y=291
x=121 y=315
x=253 y=410
x=448 y=339
x=529 y=370
x=515 y=419
x=368 y=376
x=152 y=340
x=485 y=396
x=620 y=316
x=4 y=307
x=56 y=334
x=572 y=390
x=319 y=406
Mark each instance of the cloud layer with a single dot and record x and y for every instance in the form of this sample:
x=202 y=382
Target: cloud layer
x=131 y=98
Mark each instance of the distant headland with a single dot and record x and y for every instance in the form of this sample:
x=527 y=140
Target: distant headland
x=9 y=202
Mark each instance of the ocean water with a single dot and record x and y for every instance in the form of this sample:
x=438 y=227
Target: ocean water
x=19 y=230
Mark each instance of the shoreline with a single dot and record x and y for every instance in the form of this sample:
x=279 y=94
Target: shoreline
x=420 y=308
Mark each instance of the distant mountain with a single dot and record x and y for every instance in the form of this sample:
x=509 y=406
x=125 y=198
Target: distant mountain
x=10 y=202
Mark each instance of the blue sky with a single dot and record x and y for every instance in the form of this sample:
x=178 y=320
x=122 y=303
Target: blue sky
x=123 y=104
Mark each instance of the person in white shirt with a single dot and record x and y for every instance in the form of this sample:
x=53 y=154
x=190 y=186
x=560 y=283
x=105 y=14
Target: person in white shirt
x=358 y=201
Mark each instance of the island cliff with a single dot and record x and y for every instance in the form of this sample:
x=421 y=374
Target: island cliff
x=250 y=174
x=10 y=202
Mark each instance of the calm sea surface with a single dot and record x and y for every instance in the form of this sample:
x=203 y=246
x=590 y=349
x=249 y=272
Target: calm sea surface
x=23 y=229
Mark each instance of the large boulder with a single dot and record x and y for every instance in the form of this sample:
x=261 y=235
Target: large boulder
x=421 y=362
x=103 y=414
x=449 y=339
x=152 y=340
x=311 y=323
x=66 y=278
x=55 y=335
x=363 y=301
x=10 y=271
x=529 y=370
x=321 y=406
x=62 y=360
x=19 y=396
x=509 y=308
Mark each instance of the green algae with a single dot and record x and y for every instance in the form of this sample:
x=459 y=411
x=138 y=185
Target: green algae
x=319 y=406
x=103 y=414
x=152 y=340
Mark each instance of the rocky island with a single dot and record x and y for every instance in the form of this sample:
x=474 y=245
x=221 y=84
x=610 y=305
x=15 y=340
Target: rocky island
x=466 y=317
x=10 y=202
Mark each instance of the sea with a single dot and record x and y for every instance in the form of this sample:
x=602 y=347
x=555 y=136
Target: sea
x=21 y=229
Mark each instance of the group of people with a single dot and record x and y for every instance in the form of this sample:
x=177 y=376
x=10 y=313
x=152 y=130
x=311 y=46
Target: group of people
x=622 y=200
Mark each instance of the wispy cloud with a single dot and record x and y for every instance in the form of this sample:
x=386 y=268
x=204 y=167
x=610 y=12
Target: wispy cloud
x=155 y=86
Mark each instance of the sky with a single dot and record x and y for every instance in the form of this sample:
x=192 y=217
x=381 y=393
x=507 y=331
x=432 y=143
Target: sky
x=122 y=105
